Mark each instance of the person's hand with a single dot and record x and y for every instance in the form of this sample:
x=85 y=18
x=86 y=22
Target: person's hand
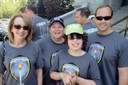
x=67 y=79
x=74 y=79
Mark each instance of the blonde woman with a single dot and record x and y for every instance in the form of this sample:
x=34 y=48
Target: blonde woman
x=22 y=58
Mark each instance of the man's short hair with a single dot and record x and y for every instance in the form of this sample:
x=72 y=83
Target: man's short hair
x=103 y=6
x=84 y=11
x=22 y=9
x=32 y=8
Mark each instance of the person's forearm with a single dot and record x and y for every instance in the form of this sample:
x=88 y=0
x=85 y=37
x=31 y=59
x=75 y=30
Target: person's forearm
x=55 y=75
x=82 y=81
x=39 y=76
x=123 y=76
x=0 y=79
x=123 y=80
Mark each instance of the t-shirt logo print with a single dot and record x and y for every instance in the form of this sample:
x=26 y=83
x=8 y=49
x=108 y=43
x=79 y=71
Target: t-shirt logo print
x=52 y=57
x=70 y=69
x=20 y=68
x=96 y=50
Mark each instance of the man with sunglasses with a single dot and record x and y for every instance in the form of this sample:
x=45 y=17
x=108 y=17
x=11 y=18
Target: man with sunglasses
x=109 y=49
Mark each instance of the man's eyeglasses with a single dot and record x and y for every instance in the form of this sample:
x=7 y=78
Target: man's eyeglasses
x=100 y=18
x=19 y=27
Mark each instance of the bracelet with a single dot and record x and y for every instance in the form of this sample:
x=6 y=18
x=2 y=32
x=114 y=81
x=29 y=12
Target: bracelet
x=59 y=76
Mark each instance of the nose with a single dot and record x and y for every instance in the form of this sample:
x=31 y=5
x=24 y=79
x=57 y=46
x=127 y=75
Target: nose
x=21 y=29
x=56 y=28
x=103 y=20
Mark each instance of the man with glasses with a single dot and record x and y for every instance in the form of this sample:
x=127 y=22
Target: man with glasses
x=109 y=49
x=39 y=26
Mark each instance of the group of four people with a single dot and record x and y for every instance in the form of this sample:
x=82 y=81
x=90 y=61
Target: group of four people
x=59 y=58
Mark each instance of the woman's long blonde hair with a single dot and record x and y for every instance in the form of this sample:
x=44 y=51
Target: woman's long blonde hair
x=26 y=21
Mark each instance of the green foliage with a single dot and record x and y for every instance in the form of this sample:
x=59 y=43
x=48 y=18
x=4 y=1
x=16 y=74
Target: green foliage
x=33 y=2
x=10 y=7
x=57 y=7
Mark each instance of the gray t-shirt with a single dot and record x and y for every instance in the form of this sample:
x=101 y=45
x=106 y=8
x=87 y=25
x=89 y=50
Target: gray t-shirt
x=90 y=27
x=49 y=50
x=21 y=63
x=83 y=66
x=111 y=53
x=39 y=27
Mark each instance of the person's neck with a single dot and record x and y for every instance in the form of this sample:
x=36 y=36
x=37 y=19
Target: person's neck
x=85 y=22
x=76 y=53
x=106 y=32
x=33 y=15
x=58 y=40
x=18 y=44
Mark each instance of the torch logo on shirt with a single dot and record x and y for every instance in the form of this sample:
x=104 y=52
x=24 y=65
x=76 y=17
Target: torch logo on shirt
x=20 y=67
x=96 y=50
x=70 y=69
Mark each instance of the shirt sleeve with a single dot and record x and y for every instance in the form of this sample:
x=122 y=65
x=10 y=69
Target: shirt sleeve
x=55 y=65
x=40 y=60
x=123 y=55
x=94 y=72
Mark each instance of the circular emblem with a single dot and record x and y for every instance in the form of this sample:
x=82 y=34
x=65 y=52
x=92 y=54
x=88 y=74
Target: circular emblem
x=20 y=68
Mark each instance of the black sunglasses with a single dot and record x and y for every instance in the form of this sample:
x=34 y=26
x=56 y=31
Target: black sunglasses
x=105 y=17
x=72 y=37
x=19 y=27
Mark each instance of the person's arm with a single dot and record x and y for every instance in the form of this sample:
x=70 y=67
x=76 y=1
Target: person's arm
x=82 y=81
x=0 y=79
x=66 y=78
x=93 y=77
x=123 y=76
x=55 y=76
x=39 y=76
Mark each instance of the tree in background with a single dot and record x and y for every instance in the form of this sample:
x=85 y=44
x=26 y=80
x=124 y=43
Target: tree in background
x=57 y=7
x=10 y=7
x=41 y=9
x=33 y=2
x=52 y=8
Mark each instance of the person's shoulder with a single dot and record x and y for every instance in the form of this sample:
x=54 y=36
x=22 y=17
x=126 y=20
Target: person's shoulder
x=36 y=19
x=34 y=45
x=119 y=37
x=41 y=19
x=44 y=39
x=62 y=52
x=94 y=34
x=90 y=57
x=90 y=25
